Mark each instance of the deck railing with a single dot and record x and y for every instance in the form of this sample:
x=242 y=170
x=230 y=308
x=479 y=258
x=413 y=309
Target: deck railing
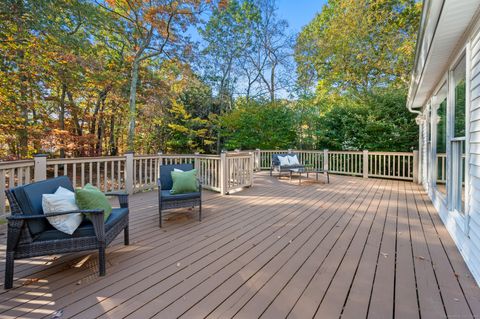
x=392 y=165
x=132 y=173
x=222 y=173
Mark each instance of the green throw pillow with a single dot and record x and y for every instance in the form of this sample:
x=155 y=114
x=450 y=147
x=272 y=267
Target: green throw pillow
x=90 y=197
x=184 y=182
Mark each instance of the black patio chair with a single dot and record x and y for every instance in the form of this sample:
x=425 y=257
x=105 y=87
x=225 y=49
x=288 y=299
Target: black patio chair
x=29 y=233
x=166 y=200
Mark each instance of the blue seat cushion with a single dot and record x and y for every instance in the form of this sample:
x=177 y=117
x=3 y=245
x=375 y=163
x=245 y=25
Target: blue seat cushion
x=29 y=198
x=166 y=196
x=166 y=174
x=85 y=229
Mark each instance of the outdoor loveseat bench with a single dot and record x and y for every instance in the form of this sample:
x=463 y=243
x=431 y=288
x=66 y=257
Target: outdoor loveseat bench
x=276 y=167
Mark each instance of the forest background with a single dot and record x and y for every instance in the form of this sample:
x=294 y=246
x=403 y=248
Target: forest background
x=94 y=78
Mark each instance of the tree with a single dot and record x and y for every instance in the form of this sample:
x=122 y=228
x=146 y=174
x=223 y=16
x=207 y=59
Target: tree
x=358 y=45
x=255 y=124
x=248 y=50
x=271 y=50
x=151 y=29
x=380 y=122
x=228 y=34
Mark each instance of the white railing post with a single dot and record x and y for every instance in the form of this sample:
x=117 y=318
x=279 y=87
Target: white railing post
x=160 y=159
x=415 y=167
x=325 y=160
x=40 y=168
x=196 y=162
x=257 y=160
x=252 y=167
x=365 y=164
x=129 y=167
x=223 y=173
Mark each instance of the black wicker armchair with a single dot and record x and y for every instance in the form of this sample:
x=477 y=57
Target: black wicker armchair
x=29 y=234
x=170 y=201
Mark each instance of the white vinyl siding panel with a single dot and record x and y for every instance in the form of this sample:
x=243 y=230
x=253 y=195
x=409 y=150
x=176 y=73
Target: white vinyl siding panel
x=471 y=245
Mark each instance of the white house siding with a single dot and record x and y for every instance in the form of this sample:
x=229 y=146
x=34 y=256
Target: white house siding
x=472 y=244
x=465 y=232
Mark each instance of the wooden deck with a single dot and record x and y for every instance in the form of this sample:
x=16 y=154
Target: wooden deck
x=353 y=248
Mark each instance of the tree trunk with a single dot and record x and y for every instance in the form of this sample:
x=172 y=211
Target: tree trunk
x=61 y=118
x=102 y=96
x=272 y=84
x=100 y=130
x=113 y=144
x=132 y=106
x=74 y=110
x=23 y=129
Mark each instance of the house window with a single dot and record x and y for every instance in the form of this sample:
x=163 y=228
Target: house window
x=458 y=136
x=441 y=147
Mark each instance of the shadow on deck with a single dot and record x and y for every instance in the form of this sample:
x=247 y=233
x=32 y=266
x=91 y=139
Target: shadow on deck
x=353 y=248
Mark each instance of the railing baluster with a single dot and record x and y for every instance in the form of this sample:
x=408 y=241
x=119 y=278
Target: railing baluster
x=112 y=183
x=74 y=175
x=119 y=175
x=83 y=174
x=409 y=170
x=98 y=175
x=151 y=175
x=105 y=177
x=90 y=174
x=20 y=176
x=27 y=175
x=3 y=206
x=145 y=175
x=140 y=184
x=394 y=160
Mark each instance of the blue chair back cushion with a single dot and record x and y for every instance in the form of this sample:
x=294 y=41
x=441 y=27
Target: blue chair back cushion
x=29 y=198
x=166 y=174
x=276 y=161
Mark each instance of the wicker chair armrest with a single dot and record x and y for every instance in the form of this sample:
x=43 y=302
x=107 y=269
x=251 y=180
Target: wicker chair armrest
x=116 y=194
x=30 y=217
x=98 y=226
x=122 y=198
x=199 y=184
x=159 y=184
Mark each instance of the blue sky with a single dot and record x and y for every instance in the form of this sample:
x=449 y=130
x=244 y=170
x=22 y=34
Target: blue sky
x=299 y=12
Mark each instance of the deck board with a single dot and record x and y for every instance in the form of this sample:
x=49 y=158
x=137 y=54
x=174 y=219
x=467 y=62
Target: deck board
x=355 y=248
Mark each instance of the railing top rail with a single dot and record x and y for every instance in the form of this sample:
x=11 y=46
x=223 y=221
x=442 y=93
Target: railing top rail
x=15 y=164
x=203 y=156
x=147 y=156
x=345 y=152
x=83 y=159
x=391 y=153
x=291 y=151
x=176 y=155
x=244 y=154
